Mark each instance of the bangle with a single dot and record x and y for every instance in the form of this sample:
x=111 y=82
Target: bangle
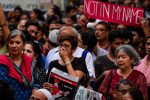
x=68 y=62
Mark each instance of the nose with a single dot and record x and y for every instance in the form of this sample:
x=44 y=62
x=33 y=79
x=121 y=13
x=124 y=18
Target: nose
x=14 y=45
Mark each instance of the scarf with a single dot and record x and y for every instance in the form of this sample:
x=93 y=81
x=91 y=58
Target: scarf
x=26 y=68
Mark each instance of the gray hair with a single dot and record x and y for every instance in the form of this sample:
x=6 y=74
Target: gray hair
x=68 y=28
x=131 y=52
x=15 y=33
x=71 y=30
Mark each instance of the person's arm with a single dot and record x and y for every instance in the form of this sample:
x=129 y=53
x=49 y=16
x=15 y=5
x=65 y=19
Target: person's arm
x=3 y=23
x=67 y=61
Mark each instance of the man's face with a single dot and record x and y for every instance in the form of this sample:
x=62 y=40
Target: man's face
x=33 y=31
x=116 y=43
x=101 y=32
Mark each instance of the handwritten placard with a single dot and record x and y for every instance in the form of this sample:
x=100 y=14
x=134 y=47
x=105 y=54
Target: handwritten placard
x=113 y=13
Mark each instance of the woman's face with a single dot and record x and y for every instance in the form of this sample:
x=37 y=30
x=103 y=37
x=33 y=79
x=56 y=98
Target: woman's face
x=15 y=45
x=29 y=50
x=123 y=60
x=66 y=45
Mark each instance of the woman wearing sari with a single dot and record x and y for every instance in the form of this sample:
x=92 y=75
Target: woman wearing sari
x=126 y=59
x=16 y=67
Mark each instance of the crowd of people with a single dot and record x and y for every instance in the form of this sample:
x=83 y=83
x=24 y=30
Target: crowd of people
x=114 y=56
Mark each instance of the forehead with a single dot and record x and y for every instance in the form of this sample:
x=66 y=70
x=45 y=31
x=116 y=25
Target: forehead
x=33 y=27
x=29 y=46
x=118 y=40
x=100 y=26
x=15 y=38
x=121 y=52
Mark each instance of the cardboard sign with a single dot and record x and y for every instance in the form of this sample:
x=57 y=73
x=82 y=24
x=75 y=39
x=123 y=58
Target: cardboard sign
x=63 y=83
x=86 y=94
x=113 y=13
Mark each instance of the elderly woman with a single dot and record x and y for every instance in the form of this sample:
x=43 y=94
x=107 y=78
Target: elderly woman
x=126 y=59
x=16 y=67
x=67 y=63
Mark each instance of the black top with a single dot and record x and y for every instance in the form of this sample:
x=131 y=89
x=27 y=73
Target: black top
x=77 y=64
x=103 y=64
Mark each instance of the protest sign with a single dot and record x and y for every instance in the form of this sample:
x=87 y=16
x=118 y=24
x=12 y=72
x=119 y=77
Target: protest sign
x=63 y=83
x=113 y=13
x=87 y=94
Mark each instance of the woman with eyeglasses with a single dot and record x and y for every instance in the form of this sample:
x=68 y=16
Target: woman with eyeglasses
x=67 y=62
x=16 y=68
x=126 y=59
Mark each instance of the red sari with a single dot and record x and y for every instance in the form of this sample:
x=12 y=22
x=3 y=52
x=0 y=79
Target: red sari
x=137 y=78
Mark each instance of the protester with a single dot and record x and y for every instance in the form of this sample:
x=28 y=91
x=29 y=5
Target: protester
x=106 y=62
x=33 y=50
x=126 y=59
x=121 y=88
x=16 y=67
x=54 y=54
x=101 y=32
x=144 y=64
x=67 y=62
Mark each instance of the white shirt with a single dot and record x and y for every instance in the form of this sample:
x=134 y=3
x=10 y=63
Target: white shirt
x=100 y=52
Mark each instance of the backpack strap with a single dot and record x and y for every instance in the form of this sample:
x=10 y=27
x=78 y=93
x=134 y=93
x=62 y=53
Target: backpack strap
x=84 y=53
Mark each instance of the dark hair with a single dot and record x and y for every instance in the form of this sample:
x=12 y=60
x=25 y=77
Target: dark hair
x=32 y=23
x=89 y=39
x=39 y=14
x=18 y=8
x=115 y=34
x=15 y=33
x=73 y=39
x=107 y=25
x=125 y=82
x=69 y=8
x=37 y=52
x=135 y=93
x=128 y=35
x=36 y=47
